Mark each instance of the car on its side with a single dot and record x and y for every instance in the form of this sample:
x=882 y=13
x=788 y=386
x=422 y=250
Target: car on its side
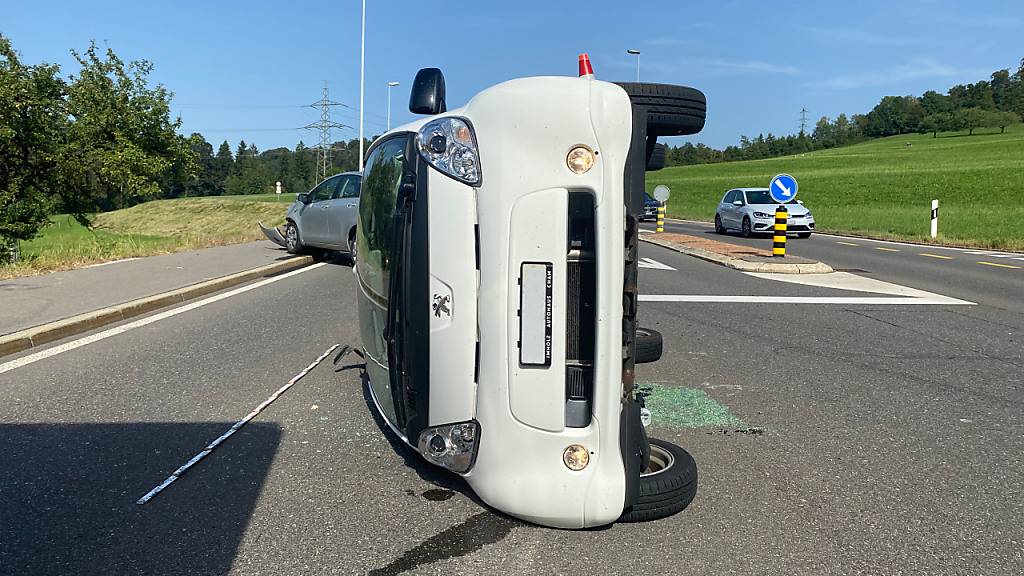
x=325 y=217
x=752 y=210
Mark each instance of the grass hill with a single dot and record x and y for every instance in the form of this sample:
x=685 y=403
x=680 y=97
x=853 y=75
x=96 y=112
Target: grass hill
x=157 y=227
x=884 y=188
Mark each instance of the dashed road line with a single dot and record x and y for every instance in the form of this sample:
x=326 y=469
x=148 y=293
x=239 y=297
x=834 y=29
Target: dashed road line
x=996 y=264
x=234 y=428
x=847 y=243
x=886 y=249
x=935 y=256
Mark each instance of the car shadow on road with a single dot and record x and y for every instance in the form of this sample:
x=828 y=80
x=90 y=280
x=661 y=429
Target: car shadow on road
x=68 y=497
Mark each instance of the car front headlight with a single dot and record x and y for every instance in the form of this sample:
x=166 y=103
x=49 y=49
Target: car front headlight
x=762 y=215
x=453 y=446
x=449 y=144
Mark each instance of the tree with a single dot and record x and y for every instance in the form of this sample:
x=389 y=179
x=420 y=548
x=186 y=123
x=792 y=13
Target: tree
x=934 y=103
x=221 y=167
x=122 y=141
x=972 y=118
x=33 y=122
x=1003 y=119
x=931 y=123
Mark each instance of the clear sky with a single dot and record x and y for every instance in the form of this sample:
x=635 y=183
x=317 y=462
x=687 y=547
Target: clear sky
x=244 y=69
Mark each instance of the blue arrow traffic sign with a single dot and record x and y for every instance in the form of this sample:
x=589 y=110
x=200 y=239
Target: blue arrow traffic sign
x=782 y=188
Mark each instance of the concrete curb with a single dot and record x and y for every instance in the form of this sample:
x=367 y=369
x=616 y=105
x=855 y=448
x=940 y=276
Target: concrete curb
x=739 y=263
x=37 y=335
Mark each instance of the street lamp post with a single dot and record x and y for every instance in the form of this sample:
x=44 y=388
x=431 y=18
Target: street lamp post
x=390 y=86
x=362 y=71
x=637 y=54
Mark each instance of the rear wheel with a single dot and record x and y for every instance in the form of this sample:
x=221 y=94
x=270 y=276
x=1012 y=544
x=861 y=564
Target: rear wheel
x=671 y=110
x=648 y=346
x=719 y=229
x=352 y=246
x=667 y=486
x=746 y=227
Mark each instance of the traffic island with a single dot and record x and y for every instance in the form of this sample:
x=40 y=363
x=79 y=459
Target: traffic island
x=742 y=258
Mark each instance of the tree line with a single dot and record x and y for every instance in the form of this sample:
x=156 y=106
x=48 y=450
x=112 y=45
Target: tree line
x=994 y=103
x=103 y=139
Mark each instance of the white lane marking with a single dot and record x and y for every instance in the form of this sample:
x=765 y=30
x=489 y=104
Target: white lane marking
x=43 y=354
x=653 y=264
x=868 y=300
x=234 y=428
x=855 y=283
x=111 y=262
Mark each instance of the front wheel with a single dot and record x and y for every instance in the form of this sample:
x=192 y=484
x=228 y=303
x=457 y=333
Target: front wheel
x=667 y=486
x=291 y=239
x=746 y=227
x=719 y=229
x=352 y=247
x=647 y=346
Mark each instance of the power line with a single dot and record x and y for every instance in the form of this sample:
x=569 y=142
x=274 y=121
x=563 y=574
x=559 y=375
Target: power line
x=325 y=125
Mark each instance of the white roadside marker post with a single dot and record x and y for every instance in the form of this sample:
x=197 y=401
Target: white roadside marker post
x=935 y=218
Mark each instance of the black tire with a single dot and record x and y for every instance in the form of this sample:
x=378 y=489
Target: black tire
x=292 y=240
x=747 y=232
x=664 y=491
x=671 y=110
x=719 y=229
x=649 y=346
x=352 y=247
x=803 y=235
x=657 y=159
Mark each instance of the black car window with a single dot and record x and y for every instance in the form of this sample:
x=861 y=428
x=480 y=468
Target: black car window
x=759 y=197
x=383 y=177
x=730 y=197
x=352 y=188
x=324 y=191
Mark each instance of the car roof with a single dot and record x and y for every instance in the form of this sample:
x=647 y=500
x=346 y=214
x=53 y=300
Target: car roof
x=749 y=189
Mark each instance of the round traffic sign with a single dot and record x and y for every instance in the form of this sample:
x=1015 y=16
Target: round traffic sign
x=661 y=193
x=782 y=188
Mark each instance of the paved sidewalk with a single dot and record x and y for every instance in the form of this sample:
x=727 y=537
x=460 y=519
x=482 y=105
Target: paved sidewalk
x=35 y=300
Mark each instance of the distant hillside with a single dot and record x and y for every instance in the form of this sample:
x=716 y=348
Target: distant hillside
x=883 y=188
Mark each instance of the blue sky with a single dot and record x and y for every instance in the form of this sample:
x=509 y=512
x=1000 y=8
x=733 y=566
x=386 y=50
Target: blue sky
x=244 y=69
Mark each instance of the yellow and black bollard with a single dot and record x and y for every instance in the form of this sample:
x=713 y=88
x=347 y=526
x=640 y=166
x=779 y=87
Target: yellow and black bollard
x=661 y=217
x=779 y=241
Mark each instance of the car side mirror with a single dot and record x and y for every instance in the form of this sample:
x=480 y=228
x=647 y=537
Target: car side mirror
x=737 y=202
x=656 y=159
x=427 y=95
x=800 y=202
x=303 y=197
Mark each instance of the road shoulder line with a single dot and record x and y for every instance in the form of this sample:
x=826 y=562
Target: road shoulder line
x=29 y=338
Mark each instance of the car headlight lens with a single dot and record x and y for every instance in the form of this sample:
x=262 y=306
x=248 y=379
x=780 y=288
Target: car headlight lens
x=452 y=446
x=762 y=215
x=449 y=144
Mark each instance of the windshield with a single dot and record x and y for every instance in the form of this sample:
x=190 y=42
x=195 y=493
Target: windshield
x=762 y=197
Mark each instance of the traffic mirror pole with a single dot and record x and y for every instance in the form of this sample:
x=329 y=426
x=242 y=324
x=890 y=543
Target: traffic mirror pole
x=779 y=240
x=661 y=217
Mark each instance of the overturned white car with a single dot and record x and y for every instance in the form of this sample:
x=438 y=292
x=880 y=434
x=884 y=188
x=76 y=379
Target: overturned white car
x=497 y=266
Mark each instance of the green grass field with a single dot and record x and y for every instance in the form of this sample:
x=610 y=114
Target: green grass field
x=884 y=188
x=157 y=227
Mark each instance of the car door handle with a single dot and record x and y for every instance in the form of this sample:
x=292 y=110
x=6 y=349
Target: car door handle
x=352 y=205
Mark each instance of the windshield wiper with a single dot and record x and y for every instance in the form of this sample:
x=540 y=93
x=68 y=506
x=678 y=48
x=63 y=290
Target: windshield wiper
x=394 y=329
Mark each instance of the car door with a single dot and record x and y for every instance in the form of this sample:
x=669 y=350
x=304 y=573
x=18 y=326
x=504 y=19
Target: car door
x=344 y=209
x=728 y=211
x=315 y=226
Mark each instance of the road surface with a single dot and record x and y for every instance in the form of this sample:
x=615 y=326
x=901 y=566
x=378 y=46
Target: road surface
x=875 y=439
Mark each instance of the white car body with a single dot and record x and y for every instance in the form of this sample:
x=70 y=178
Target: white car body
x=497 y=290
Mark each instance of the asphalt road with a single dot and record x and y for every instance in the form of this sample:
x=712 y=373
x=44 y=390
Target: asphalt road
x=877 y=440
x=989 y=276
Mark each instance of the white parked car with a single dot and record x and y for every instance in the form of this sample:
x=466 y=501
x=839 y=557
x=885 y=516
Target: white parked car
x=497 y=268
x=752 y=210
